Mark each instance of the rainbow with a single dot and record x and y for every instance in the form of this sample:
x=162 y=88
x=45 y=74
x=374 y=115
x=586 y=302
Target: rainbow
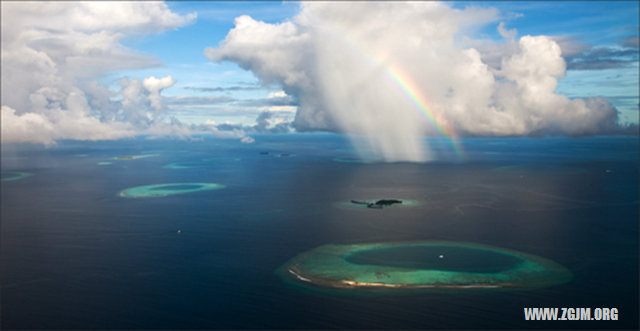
x=406 y=86
x=410 y=89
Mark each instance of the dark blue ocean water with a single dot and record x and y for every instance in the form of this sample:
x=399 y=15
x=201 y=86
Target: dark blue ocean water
x=76 y=255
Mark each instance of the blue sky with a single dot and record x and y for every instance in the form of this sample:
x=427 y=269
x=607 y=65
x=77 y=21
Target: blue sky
x=181 y=52
x=107 y=70
x=593 y=23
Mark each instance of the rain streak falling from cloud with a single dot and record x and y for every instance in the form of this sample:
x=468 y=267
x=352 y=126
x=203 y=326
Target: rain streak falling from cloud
x=337 y=59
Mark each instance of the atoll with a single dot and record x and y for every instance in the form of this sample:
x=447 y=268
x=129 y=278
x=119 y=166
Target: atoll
x=162 y=190
x=422 y=264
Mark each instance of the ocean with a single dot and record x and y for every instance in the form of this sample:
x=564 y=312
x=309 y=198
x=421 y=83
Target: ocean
x=77 y=254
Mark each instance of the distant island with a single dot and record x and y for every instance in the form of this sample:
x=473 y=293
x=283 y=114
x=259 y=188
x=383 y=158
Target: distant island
x=379 y=204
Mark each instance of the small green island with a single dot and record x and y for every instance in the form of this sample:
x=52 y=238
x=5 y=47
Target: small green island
x=421 y=265
x=163 y=190
x=377 y=203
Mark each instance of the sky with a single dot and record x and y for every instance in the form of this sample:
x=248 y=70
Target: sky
x=390 y=71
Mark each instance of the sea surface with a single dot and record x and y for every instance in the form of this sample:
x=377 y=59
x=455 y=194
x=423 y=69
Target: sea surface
x=76 y=254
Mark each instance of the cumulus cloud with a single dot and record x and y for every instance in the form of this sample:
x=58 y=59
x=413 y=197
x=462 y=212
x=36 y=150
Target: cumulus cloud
x=95 y=113
x=154 y=86
x=223 y=130
x=571 y=46
x=247 y=140
x=267 y=122
x=54 y=52
x=59 y=124
x=380 y=69
x=506 y=33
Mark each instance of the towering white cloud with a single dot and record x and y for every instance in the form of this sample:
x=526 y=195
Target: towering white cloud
x=395 y=71
x=154 y=86
x=52 y=54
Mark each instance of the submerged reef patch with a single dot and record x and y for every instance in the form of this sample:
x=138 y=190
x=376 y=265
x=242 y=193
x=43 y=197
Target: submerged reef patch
x=206 y=162
x=421 y=265
x=134 y=157
x=184 y=165
x=162 y=190
x=14 y=175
